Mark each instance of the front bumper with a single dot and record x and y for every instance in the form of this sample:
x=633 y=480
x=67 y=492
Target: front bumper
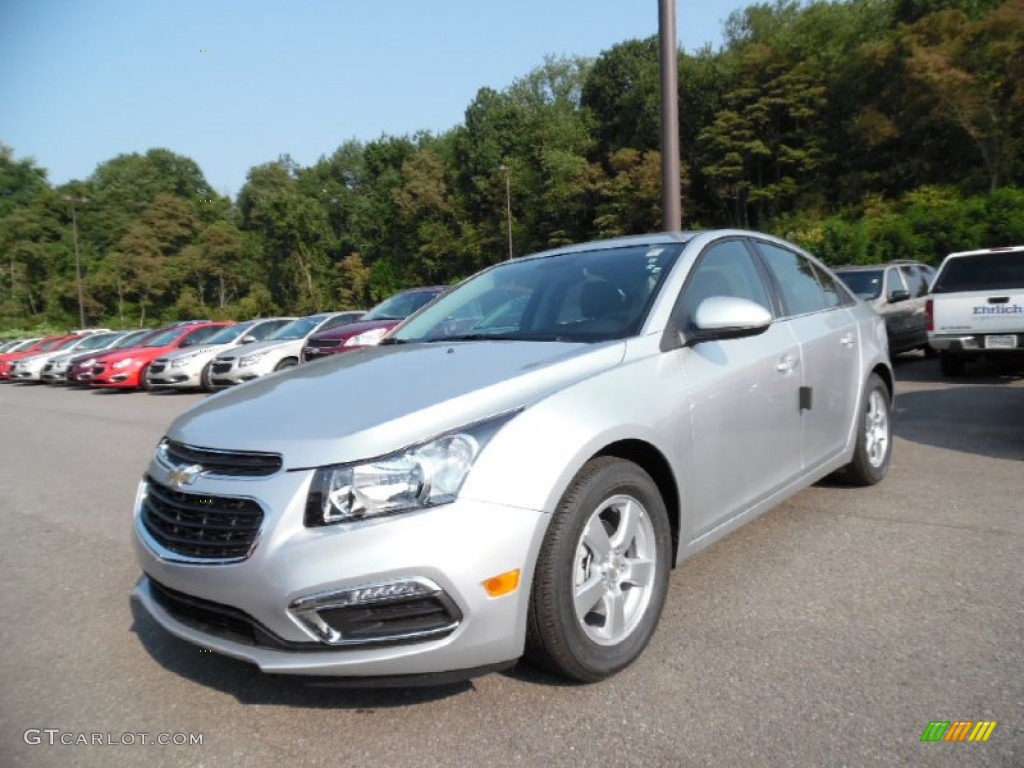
x=169 y=377
x=455 y=547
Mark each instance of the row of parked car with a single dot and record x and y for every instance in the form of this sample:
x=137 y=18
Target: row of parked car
x=201 y=354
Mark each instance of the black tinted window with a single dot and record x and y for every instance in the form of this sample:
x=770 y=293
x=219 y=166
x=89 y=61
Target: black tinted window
x=801 y=291
x=986 y=271
x=724 y=269
x=915 y=280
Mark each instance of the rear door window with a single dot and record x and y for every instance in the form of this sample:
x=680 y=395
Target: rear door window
x=797 y=278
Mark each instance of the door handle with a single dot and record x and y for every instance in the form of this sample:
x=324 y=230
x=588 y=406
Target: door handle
x=786 y=364
x=847 y=340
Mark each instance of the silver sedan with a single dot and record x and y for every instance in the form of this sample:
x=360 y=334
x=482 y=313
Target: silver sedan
x=472 y=492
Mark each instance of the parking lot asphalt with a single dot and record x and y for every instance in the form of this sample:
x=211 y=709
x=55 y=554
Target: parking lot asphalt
x=829 y=632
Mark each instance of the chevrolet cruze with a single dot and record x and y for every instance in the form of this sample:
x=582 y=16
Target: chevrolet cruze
x=464 y=495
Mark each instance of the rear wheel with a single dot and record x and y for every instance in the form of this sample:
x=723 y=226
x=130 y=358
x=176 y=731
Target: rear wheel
x=602 y=573
x=951 y=365
x=874 y=436
x=288 y=362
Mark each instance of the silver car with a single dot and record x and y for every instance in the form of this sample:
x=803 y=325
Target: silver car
x=281 y=350
x=451 y=501
x=191 y=368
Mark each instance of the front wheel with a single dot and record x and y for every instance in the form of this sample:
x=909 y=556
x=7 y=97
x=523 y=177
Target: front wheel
x=288 y=362
x=205 y=382
x=602 y=573
x=874 y=436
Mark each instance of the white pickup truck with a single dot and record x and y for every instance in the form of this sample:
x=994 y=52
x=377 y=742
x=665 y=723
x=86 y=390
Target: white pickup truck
x=976 y=307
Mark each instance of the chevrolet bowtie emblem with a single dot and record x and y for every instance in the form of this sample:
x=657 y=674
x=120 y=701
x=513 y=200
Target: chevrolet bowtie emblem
x=181 y=476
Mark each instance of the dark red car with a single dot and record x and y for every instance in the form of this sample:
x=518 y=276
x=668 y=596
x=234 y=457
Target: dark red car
x=372 y=326
x=126 y=368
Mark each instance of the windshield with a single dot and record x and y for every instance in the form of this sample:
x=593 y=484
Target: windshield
x=133 y=338
x=587 y=296
x=164 y=338
x=296 y=329
x=231 y=333
x=400 y=306
x=866 y=283
x=95 y=341
x=982 y=272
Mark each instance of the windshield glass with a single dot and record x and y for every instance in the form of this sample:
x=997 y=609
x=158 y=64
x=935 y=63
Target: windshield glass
x=296 y=329
x=866 y=283
x=164 y=338
x=982 y=272
x=133 y=338
x=95 y=341
x=400 y=306
x=588 y=296
x=231 y=333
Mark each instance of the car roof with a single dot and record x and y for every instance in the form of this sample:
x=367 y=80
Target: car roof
x=984 y=251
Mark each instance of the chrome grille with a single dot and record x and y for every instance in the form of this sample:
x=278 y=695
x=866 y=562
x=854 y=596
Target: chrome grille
x=221 y=367
x=199 y=526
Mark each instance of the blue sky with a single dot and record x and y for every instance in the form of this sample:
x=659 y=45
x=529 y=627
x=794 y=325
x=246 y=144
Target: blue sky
x=235 y=84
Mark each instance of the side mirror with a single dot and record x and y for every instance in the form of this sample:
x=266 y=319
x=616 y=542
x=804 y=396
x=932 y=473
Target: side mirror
x=247 y=339
x=898 y=295
x=719 y=318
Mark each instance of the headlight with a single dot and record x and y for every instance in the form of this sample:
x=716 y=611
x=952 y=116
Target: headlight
x=255 y=357
x=181 y=362
x=425 y=475
x=366 y=338
x=122 y=363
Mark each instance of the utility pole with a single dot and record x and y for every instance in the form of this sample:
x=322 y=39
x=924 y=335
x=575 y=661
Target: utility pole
x=671 y=206
x=508 y=206
x=78 y=257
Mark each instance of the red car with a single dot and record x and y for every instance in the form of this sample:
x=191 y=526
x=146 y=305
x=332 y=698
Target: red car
x=46 y=344
x=126 y=368
x=372 y=326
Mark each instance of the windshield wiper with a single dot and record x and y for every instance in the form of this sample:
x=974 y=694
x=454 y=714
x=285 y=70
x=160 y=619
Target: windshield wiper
x=498 y=337
x=390 y=341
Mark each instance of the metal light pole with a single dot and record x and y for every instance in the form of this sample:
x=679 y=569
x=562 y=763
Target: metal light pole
x=508 y=207
x=78 y=258
x=671 y=206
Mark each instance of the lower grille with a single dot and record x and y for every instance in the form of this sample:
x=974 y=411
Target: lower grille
x=324 y=343
x=220 y=620
x=200 y=527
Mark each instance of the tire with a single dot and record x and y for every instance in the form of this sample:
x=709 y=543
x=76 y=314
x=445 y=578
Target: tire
x=205 y=383
x=571 y=626
x=873 y=453
x=930 y=352
x=951 y=365
x=288 y=362
x=144 y=384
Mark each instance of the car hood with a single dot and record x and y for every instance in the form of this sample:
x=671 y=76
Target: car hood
x=136 y=353
x=259 y=346
x=213 y=349
x=380 y=399
x=353 y=329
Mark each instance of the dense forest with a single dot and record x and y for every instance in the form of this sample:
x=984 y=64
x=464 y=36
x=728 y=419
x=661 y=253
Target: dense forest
x=864 y=130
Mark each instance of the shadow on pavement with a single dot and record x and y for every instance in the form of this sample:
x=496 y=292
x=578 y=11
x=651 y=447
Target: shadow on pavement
x=973 y=414
x=919 y=369
x=250 y=686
